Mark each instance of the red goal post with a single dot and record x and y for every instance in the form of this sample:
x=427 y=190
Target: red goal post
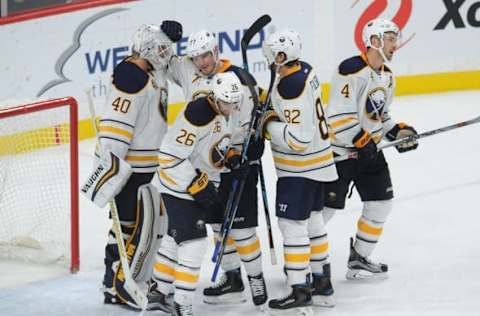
x=24 y=140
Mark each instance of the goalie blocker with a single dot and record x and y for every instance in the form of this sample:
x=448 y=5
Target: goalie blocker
x=112 y=177
x=107 y=179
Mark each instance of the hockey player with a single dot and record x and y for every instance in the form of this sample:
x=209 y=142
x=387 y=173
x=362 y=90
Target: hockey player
x=358 y=112
x=191 y=158
x=194 y=73
x=297 y=129
x=131 y=128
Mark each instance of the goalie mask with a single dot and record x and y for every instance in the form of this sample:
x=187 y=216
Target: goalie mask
x=284 y=41
x=150 y=43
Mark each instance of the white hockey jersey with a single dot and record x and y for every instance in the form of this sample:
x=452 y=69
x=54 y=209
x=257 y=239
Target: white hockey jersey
x=300 y=141
x=133 y=121
x=195 y=85
x=360 y=98
x=198 y=139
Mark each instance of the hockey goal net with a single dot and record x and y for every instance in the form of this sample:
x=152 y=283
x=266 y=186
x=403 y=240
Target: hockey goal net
x=39 y=182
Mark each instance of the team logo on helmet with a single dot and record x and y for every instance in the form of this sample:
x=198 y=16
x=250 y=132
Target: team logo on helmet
x=375 y=104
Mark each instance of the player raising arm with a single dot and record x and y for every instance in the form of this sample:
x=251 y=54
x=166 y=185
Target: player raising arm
x=131 y=129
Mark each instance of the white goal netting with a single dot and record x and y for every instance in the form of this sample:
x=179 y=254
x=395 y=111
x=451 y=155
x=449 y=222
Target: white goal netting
x=36 y=183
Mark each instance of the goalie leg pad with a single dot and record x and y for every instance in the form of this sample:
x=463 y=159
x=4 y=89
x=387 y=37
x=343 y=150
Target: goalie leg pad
x=106 y=181
x=145 y=240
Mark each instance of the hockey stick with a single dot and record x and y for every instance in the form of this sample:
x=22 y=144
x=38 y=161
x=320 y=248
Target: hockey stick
x=237 y=186
x=131 y=287
x=262 y=21
x=432 y=132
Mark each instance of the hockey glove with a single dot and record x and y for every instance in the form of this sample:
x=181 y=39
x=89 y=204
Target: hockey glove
x=366 y=147
x=172 y=29
x=255 y=149
x=400 y=131
x=203 y=191
x=233 y=161
x=269 y=116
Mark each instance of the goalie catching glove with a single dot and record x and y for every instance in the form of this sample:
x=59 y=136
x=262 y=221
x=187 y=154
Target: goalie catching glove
x=203 y=191
x=401 y=131
x=107 y=180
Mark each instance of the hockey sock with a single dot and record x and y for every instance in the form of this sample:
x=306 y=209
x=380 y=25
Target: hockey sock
x=296 y=249
x=370 y=225
x=164 y=267
x=231 y=259
x=318 y=242
x=248 y=248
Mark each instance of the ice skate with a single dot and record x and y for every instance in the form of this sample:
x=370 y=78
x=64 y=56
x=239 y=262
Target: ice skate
x=363 y=268
x=298 y=302
x=229 y=289
x=258 y=290
x=322 y=290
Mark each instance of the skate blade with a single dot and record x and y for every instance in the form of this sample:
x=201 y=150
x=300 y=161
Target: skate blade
x=225 y=299
x=297 y=311
x=323 y=301
x=363 y=275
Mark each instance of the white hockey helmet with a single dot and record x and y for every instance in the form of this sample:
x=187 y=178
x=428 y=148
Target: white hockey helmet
x=201 y=42
x=150 y=43
x=378 y=27
x=285 y=41
x=227 y=88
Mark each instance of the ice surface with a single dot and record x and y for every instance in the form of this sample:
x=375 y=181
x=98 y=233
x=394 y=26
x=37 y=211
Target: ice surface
x=431 y=239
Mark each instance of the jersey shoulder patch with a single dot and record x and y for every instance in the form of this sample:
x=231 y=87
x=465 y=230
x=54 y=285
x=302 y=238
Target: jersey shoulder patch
x=244 y=76
x=199 y=112
x=351 y=65
x=292 y=85
x=129 y=78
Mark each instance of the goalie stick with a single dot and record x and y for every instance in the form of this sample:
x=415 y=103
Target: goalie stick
x=131 y=287
x=432 y=132
x=237 y=186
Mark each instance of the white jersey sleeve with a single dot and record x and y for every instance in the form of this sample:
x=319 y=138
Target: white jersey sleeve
x=300 y=140
x=360 y=98
x=133 y=120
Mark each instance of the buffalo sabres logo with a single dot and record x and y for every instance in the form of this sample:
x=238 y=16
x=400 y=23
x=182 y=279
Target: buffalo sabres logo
x=375 y=104
x=218 y=151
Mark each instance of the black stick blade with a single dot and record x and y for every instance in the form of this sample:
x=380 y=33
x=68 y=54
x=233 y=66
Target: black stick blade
x=256 y=27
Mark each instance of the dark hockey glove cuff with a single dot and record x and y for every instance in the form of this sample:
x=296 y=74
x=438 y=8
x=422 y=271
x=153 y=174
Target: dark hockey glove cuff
x=233 y=161
x=255 y=149
x=366 y=147
x=203 y=191
x=401 y=131
x=172 y=29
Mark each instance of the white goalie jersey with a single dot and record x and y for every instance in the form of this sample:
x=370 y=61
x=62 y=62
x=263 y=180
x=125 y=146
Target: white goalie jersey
x=300 y=141
x=133 y=121
x=198 y=139
x=360 y=98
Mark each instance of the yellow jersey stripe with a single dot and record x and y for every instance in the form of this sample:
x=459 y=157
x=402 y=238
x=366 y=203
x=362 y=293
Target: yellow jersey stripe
x=116 y=130
x=167 y=178
x=245 y=250
x=341 y=122
x=296 y=147
x=163 y=268
x=365 y=228
x=297 y=257
x=142 y=158
x=303 y=163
